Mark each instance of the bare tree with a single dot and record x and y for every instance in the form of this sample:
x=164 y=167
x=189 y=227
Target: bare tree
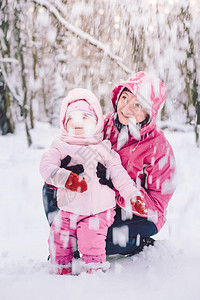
x=6 y=119
x=6 y=116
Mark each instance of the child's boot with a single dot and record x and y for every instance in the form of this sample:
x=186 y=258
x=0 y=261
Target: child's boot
x=92 y=268
x=93 y=263
x=64 y=270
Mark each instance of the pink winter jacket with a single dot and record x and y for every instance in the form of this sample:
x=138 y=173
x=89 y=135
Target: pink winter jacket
x=148 y=160
x=87 y=151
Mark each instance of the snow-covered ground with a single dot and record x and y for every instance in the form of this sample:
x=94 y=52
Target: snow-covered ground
x=170 y=270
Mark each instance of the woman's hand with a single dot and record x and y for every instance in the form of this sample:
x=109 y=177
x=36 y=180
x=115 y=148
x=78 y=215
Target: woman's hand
x=102 y=174
x=77 y=169
x=138 y=205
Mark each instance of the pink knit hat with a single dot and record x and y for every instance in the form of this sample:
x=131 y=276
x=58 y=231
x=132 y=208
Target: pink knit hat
x=80 y=106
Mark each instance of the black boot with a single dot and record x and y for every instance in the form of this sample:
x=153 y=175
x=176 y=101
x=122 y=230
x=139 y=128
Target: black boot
x=149 y=241
x=145 y=242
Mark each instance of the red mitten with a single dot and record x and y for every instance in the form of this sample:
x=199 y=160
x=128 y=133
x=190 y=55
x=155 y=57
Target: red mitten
x=75 y=183
x=139 y=205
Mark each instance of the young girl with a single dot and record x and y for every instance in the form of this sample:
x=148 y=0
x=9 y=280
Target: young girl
x=87 y=208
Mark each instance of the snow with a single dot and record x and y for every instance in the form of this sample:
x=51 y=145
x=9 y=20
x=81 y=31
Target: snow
x=122 y=138
x=134 y=129
x=120 y=236
x=170 y=269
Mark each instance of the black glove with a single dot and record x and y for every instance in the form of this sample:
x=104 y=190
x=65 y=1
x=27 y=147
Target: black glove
x=101 y=173
x=77 y=169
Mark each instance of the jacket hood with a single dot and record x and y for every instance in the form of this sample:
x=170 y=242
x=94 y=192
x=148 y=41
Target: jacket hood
x=150 y=92
x=72 y=97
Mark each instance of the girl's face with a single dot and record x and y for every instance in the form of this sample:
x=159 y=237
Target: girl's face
x=128 y=107
x=79 y=123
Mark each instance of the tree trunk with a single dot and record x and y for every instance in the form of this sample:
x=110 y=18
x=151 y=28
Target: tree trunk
x=6 y=119
x=20 y=53
x=197 y=125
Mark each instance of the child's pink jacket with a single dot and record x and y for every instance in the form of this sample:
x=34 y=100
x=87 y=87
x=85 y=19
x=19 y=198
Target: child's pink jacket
x=88 y=152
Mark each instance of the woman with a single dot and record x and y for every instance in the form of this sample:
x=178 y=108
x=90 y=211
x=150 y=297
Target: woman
x=145 y=154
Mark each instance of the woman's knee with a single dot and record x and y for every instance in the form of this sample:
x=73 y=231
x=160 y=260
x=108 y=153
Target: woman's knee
x=49 y=198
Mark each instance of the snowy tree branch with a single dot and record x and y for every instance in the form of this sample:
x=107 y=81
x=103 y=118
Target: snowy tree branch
x=9 y=60
x=83 y=35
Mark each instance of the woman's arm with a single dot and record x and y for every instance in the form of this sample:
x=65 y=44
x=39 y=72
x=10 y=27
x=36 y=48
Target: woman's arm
x=132 y=198
x=159 y=183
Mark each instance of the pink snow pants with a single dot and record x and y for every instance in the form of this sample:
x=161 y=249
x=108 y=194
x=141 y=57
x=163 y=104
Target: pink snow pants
x=89 y=232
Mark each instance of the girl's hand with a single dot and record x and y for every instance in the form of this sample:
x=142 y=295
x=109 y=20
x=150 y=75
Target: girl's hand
x=77 y=169
x=76 y=183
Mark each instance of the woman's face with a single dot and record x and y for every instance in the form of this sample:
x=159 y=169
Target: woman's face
x=128 y=107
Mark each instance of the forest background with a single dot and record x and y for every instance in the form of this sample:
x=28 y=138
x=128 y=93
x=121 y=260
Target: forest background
x=50 y=47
